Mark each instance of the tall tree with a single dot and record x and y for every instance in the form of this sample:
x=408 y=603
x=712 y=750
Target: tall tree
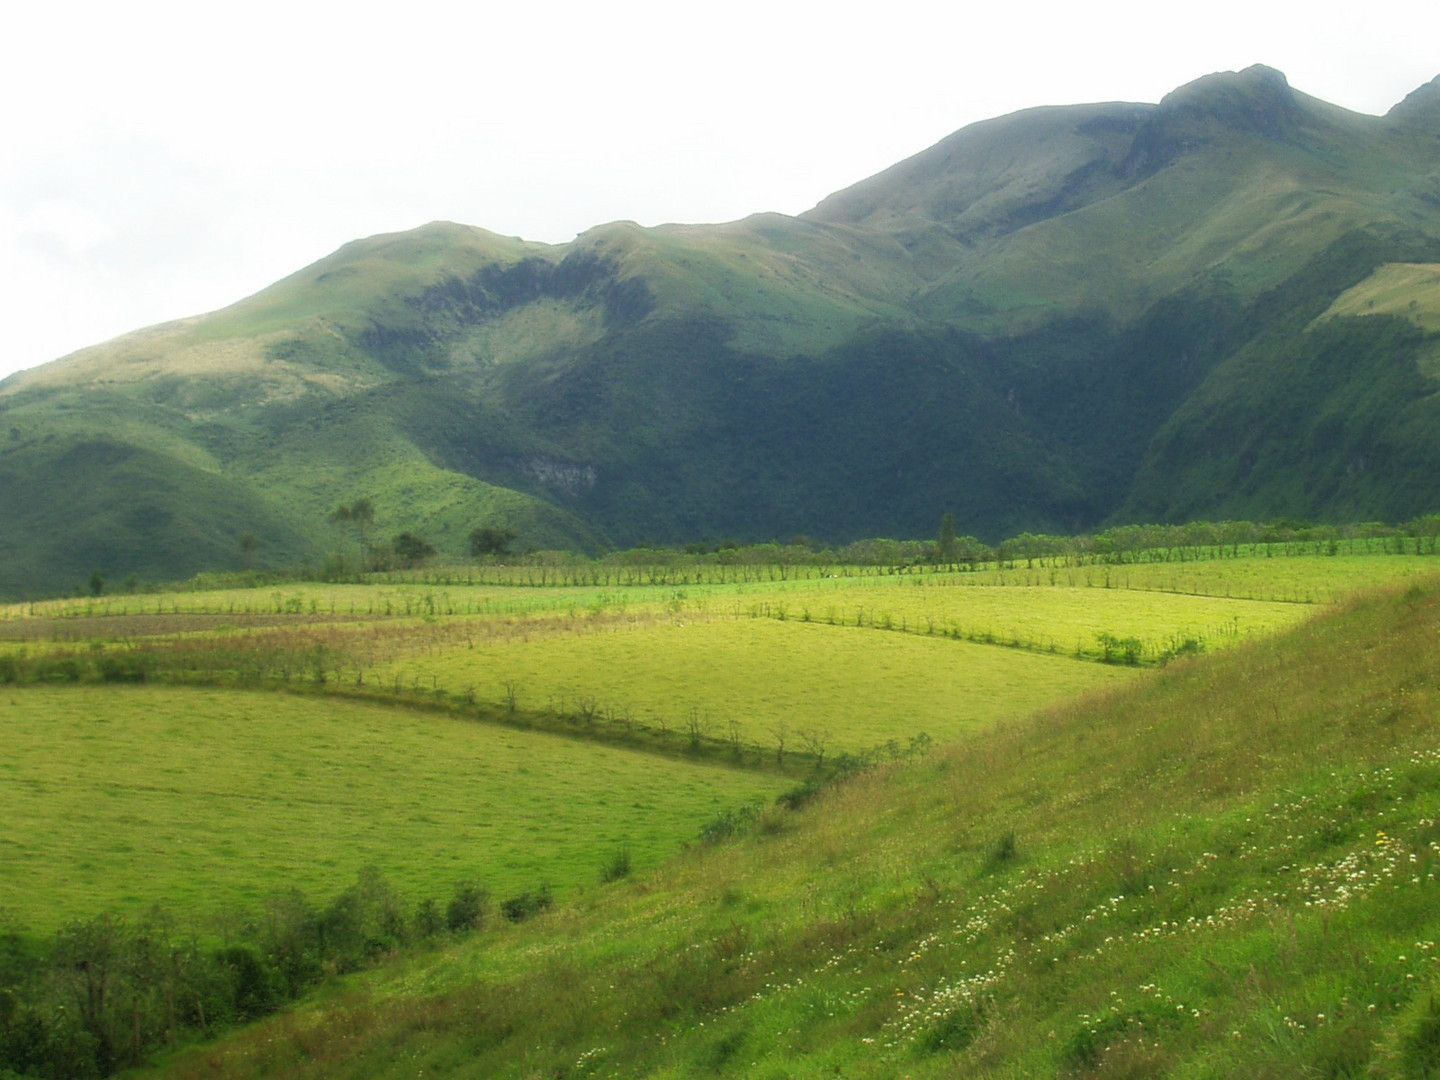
x=489 y=540
x=947 y=547
x=411 y=549
x=360 y=514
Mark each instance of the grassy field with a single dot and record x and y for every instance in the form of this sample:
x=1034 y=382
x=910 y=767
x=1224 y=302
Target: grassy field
x=922 y=918
x=1409 y=290
x=846 y=661
x=1273 y=573
x=850 y=687
x=1231 y=868
x=119 y=798
x=1045 y=618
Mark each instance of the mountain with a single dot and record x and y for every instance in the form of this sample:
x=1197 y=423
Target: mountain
x=1219 y=305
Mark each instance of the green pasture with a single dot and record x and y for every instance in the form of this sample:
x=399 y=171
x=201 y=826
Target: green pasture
x=1309 y=578
x=1229 y=869
x=380 y=600
x=855 y=688
x=418 y=599
x=118 y=798
x=1258 y=572
x=231 y=794
x=1056 y=619
x=1409 y=290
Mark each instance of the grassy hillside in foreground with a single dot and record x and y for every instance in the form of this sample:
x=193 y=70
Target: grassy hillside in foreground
x=1231 y=868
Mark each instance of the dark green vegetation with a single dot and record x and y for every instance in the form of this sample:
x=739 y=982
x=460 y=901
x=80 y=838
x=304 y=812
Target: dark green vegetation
x=1218 y=306
x=1229 y=868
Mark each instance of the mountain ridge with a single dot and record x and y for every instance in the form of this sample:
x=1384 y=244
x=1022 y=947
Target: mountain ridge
x=1001 y=326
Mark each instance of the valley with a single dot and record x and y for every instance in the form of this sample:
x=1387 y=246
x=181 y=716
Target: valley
x=820 y=816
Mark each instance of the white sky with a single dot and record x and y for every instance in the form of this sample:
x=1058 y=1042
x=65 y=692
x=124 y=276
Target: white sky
x=159 y=159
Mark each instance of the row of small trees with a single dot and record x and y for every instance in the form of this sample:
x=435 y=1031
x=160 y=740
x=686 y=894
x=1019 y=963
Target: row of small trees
x=407 y=549
x=107 y=991
x=1120 y=543
x=1178 y=543
x=729 y=562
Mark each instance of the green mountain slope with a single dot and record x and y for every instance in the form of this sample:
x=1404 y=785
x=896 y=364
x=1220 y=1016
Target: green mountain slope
x=1045 y=322
x=1231 y=868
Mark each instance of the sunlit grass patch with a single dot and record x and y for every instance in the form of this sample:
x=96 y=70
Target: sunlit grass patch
x=199 y=799
x=1060 y=619
x=777 y=681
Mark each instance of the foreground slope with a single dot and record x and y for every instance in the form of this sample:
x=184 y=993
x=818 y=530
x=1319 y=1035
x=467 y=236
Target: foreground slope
x=1046 y=321
x=1231 y=868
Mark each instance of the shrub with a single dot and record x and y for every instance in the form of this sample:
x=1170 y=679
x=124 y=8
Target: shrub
x=728 y=823
x=1003 y=850
x=466 y=909
x=252 y=991
x=428 y=919
x=616 y=867
x=1119 y=650
x=130 y=669
x=1189 y=647
x=519 y=908
x=797 y=797
x=59 y=669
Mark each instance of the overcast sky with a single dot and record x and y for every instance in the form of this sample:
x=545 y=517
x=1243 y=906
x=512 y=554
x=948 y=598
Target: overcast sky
x=161 y=159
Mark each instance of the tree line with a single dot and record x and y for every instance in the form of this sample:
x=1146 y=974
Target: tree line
x=494 y=558
x=1118 y=544
x=106 y=992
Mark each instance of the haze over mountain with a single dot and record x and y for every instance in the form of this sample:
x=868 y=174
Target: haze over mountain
x=1221 y=305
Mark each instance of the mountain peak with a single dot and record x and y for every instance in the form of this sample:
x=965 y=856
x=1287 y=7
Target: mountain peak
x=1258 y=99
x=1421 y=106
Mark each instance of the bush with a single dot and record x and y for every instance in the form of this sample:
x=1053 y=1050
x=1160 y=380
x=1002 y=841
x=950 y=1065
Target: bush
x=127 y=669
x=797 y=797
x=428 y=919
x=466 y=909
x=1117 y=650
x=519 y=908
x=361 y=924
x=729 y=823
x=252 y=989
x=59 y=669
